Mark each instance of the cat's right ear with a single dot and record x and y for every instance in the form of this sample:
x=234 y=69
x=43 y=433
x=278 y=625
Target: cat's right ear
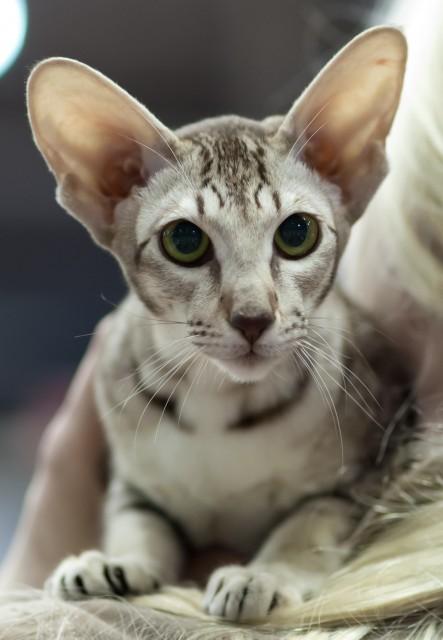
x=339 y=125
x=97 y=140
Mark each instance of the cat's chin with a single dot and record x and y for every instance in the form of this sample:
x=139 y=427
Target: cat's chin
x=248 y=368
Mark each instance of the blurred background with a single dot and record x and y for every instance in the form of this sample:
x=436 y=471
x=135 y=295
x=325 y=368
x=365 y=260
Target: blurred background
x=185 y=59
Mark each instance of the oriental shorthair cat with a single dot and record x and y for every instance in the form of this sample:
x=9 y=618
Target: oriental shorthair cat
x=241 y=393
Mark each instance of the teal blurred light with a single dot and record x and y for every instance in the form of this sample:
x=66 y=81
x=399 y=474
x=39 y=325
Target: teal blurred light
x=13 y=26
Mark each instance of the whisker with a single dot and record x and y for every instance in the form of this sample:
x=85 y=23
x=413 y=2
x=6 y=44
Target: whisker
x=341 y=332
x=279 y=376
x=202 y=363
x=157 y=153
x=166 y=379
x=345 y=378
x=365 y=362
x=302 y=133
x=346 y=371
x=334 y=359
x=193 y=360
x=142 y=385
x=337 y=364
x=356 y=402
x=180 y=165
x=85 y=335
x=154 y=354
x=333 y=328
x=298 y=153
x=202 y=371
x=145 y=319
x=391 y=427
x=148 y=324
x=222 y=379
x=348 y=331
x=327 y=396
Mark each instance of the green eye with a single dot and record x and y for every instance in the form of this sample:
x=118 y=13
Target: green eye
x=184 y=242
x=297 y=235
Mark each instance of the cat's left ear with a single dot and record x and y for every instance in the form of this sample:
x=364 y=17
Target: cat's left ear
x=97 y=140
x=339 y=124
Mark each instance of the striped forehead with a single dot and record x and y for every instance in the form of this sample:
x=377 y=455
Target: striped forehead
x=233 y=169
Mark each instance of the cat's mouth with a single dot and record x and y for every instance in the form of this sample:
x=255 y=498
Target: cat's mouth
x=246 y=367
x=250 y=359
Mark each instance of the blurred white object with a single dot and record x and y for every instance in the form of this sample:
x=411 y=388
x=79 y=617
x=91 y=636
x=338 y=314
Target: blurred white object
x=13 y=27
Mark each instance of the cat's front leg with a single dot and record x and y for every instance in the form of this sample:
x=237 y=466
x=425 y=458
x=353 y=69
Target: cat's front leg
x=142 y=551
x=292 y=564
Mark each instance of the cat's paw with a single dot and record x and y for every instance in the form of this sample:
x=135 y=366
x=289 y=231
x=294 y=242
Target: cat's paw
x=240 y=594
x=94 y=574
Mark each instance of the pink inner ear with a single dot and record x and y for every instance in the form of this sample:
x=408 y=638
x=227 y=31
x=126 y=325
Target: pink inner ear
x=119 y=174
x=322 y=155
x=338 y=153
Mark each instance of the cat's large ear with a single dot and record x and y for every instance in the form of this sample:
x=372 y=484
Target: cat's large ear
x=97 y=140
x=339 y=124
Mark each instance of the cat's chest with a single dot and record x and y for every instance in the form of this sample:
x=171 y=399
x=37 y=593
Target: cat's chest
x=228 y=486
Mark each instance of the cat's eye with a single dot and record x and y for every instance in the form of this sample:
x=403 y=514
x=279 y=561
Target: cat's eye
x=297 y=235
x=185 y=243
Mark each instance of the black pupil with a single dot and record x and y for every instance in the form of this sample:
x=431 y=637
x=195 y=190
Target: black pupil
x=186 y=237
x=294 y=230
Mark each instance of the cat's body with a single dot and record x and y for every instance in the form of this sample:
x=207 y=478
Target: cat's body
x=223 y=383
x=242 y=456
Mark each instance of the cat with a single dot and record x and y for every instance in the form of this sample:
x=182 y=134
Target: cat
x=222 y=387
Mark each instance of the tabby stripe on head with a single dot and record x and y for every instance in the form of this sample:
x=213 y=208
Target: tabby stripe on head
x=218 y=194
x=256 y=194
x=330 y=280
x=261 y=168
x=207 y=167
x=205 y=151
x=200 y=204
x=260 y=150
x=334 y=231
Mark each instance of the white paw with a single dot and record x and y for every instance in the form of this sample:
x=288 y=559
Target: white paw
x=94 y=574
x=241 y=593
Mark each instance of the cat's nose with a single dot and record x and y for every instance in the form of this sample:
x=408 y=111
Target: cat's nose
x=251 y=326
